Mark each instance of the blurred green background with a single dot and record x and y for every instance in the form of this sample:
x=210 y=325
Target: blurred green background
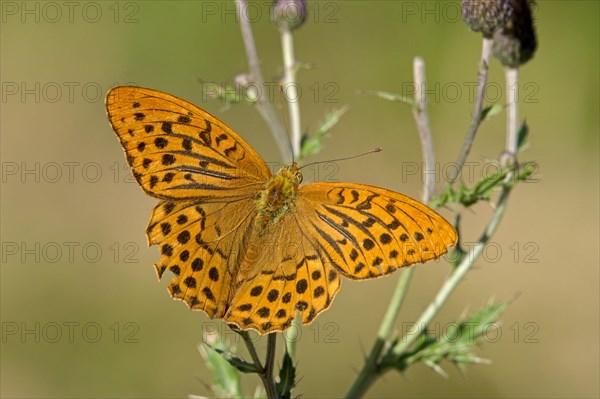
x=82 y=313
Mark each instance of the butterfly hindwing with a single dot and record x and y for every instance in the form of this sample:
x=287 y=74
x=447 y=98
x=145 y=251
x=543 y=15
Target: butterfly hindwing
x=200 y=244
x=179 y=151
x=288 y=276
x=369 y=231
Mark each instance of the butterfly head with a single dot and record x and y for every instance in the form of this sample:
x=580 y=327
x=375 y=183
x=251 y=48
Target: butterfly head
x=292 y=173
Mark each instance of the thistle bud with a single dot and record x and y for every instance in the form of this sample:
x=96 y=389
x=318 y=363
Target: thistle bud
x=486 y=16
x=289 y=14
x=516 y=42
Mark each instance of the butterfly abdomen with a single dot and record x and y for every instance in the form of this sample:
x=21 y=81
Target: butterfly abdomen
x=277 y=196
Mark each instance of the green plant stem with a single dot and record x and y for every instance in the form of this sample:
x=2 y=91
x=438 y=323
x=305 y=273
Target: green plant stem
x=270 y=359
x=486 y=53
x=369 y=373
x=290 y=89
x=266 y=373
x=455 y=277
x=263 y=106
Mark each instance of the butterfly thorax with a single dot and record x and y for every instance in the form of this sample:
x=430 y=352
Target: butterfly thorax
x=277 y=196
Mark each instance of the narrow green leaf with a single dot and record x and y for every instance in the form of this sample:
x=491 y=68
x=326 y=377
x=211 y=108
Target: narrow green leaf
x=235 y=361
x=445 y=197
x=488 y=112
x=522 y=135
x=312 y=145
x=389 y=96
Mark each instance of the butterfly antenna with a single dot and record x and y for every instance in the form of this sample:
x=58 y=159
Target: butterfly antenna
x=374 y=150
x=285 y=122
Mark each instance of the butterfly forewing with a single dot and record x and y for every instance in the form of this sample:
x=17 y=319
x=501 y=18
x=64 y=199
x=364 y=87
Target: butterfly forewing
x=369 y=231
x=179 y=151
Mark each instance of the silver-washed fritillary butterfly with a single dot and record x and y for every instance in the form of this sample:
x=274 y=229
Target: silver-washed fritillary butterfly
x=248 y=246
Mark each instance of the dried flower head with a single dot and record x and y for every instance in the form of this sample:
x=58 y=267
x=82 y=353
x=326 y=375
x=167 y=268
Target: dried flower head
x=486 y=16
x=516 y=42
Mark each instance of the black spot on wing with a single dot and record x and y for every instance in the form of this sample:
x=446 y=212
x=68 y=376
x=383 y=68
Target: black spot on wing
x=205 y=135
x=184 y=119
x=231 y=149
x=220 y=138
x=160 y=142
x=168 y=159
x=167 y=127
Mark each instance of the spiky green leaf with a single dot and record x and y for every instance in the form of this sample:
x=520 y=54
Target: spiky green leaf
x=455 y=345
x=287 y=378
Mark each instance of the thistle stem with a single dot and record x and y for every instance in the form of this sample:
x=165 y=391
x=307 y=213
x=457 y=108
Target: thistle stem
x=263 y=106
x=251 y=348
x=421 y=115
x=370 y=371
x=289 y=86
x=455 y=278
x=266 y=373
x=512 y=112
x=486 y=53
x=473 y=254
x=270 y=361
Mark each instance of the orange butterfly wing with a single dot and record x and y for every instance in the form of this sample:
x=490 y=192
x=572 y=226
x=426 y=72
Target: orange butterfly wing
x=179 y=151
x=201 y=243
x=370 y=231
x=207 y=176
x=289 y=274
